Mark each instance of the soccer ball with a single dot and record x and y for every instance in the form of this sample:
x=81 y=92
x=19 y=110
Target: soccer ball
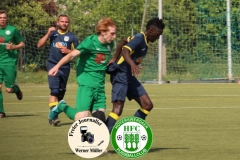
x=143 y=137
x=119 y=137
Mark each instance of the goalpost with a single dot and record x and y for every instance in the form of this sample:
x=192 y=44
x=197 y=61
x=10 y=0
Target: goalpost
x=160 y=81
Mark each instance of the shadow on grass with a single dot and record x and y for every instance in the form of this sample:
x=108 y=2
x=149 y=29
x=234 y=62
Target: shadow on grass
x=65 y=124
x=151 y=150
x=20 y=115
x=110 y=152
x=160 y=149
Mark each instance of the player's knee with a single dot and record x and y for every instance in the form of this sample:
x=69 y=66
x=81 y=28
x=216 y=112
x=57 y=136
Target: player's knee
x=61 y=94
x=54 y=92
x=9 y=90
x=148 y=106
x=99 y=114
x=118 y=107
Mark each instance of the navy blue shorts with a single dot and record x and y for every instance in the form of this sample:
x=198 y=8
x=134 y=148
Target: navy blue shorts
x=60 y=80
x=124 y=85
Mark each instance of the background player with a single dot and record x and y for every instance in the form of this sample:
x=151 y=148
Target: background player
x=94 y=54
x=62 y=42
x=10 y=42
x=123 y=70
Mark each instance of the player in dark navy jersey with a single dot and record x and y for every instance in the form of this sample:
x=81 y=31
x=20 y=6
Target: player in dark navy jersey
x=124 y=67
x=62 y=42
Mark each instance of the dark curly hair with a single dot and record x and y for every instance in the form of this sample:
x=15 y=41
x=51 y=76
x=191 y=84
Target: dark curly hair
x=155 y=22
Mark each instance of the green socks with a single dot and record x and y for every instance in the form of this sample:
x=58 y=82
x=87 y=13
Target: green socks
x=69 y=111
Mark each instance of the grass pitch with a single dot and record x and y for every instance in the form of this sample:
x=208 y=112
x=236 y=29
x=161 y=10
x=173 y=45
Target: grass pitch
x=189 y=122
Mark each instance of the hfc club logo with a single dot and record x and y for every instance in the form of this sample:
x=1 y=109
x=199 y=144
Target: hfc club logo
x=131 y=137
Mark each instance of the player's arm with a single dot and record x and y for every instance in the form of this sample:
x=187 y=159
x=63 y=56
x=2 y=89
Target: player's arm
x=74 y=44
x=65 y=50
x=11 y=46
x=119 y=49
x=126 y=55
x=43 y=41
x=18 y=41
x=63 y=61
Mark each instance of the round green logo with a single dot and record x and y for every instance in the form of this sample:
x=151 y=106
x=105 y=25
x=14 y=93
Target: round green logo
x=131 y=137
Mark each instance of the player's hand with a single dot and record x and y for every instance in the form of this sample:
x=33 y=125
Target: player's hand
x=64 y=50
x=111 y=61
x=10 y=46
x=51 y=29
x=53 y=71
x=135 y=70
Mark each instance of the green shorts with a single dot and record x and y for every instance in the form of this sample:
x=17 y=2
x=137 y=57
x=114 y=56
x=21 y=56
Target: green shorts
x=8 y=75
x=90 y=99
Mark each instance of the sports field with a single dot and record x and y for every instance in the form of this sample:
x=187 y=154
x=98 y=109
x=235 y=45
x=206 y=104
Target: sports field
x=189 y=122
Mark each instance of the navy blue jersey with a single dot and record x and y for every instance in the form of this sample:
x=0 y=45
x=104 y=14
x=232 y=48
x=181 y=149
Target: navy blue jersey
x=57 y=40
x=138 y=46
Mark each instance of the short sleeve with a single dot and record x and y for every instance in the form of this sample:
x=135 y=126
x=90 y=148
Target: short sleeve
x=134 y=42
x=17 y=36
x=75 y=41
x=85 y=46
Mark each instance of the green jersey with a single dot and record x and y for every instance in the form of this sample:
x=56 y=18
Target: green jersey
x=9 y=34
x=92 y=62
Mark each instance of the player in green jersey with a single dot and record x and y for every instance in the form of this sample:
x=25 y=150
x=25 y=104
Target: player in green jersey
x=94 y=54
x=10 y=42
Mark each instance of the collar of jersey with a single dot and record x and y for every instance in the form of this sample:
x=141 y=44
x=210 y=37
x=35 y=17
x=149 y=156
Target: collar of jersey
x=62 y=32
x=145 y=38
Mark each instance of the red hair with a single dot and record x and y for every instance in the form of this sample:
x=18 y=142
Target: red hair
x=103 y=25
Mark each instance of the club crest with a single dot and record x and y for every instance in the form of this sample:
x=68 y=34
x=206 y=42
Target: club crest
x=8 y=32
x=131 y=137
x=66 y=38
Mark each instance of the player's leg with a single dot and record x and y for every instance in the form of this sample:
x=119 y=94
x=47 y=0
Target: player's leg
x=2 y=112
x=54 y=83
x=64 y=74
x=138 y=93
x=53 y=101
x=84 y=101
x=10 y=74
x=74 y=113
x=62 y=107
x=99 y=105
x=119 y=92
x=82 y=114
x=57 y=85
x=146 y=106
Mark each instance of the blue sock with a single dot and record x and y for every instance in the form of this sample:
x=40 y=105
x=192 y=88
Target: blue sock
x=141 y=113
x=111 y=120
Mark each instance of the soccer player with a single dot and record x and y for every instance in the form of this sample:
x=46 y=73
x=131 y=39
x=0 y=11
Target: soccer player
x=62 y=42
x=94 y=54
x=10 y=42
x=124 y=68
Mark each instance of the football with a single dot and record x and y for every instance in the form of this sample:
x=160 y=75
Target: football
x=143 y=137
x=119 y=137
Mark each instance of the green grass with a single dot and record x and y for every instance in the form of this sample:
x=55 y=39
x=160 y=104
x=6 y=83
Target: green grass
x=41 y=77
x=189 y=122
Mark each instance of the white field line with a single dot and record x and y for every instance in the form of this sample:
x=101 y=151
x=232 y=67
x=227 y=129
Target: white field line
x=151 y=95
x=126 y=109
x=74 y=85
